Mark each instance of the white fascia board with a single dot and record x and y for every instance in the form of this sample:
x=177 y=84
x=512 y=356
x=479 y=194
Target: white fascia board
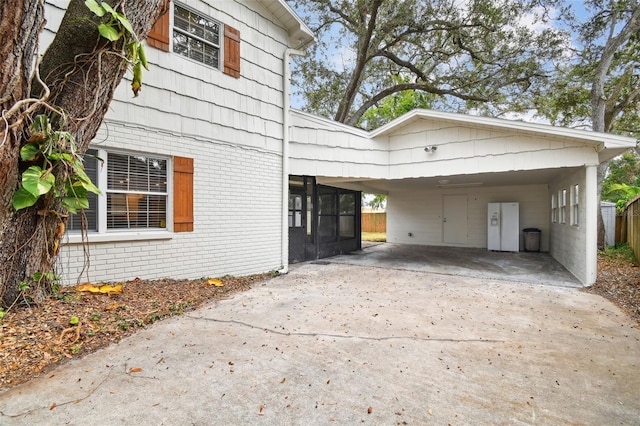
x=609 y=140
x=300 y=35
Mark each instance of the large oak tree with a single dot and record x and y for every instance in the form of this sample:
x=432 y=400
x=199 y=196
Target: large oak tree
x=598 y=84
x=483 y=55
x=79 y=73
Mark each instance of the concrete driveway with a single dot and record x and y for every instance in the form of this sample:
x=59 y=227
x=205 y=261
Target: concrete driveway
x=347 y=344
x=531 y=267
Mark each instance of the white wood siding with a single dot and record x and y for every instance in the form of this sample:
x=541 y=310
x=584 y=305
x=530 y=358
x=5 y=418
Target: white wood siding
x=467 y=150
x=319 y=147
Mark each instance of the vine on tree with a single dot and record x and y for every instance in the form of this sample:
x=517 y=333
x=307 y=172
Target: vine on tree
x=115 y=26
x=49 y=149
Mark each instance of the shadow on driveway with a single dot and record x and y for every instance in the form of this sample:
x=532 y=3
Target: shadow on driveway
x=527 y=267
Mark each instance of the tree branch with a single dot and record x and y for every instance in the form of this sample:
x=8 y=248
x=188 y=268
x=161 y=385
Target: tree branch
x=410 y=86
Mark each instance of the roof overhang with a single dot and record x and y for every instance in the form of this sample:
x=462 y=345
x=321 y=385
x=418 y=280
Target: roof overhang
x=607 y=145
x=300 y=36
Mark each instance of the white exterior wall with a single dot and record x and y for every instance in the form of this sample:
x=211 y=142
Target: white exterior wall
x=420 y=213
x=469 y=150
x=232 y=128
x=319 y=147
x=576 y=246
x=237 y=215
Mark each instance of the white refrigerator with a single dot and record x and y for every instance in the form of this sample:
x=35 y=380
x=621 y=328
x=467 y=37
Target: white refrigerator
x=503 y=225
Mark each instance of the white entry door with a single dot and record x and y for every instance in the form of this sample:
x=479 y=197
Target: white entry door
x=454 y=219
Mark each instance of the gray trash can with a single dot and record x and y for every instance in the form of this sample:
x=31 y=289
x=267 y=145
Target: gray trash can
x=532 y=239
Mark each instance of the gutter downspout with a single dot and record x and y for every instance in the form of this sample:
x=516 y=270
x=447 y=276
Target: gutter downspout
x=286 y=106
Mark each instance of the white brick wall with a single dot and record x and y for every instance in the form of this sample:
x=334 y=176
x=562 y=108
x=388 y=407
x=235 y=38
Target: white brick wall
x=237 y=212
x=568 y=242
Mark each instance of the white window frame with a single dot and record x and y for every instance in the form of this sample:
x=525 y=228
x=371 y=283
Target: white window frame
x=123 y=234
x=562 y=195
x=554 y=208
x=575 y=204
x=219 y=46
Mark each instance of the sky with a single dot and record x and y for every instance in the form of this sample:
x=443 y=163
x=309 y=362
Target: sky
x=339 y=53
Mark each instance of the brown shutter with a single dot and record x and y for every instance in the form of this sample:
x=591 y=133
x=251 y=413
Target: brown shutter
x=159 y=35
x=231 y=51
x=182 y=194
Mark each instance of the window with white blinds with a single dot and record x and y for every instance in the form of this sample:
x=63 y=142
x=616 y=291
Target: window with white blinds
x=136 y=191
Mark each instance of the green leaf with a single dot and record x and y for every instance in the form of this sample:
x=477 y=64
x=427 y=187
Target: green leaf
x=56 y=156
x=37 y=181
x=124 y=22
x=89 y=186
x=108 y=8
x=108 y=32
x=143 y=56
x=74 y=204
x=133 y=51
x=23 y=199
x=77 y=190
x=74 y=321
x=29 y=151
x=95 y=8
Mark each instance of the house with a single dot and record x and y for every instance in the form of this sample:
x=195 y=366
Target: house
x=209 y=172
x=193 y=180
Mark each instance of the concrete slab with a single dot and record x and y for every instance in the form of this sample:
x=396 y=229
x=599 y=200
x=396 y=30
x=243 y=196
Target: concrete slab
x=351 y=344
x=527 y=267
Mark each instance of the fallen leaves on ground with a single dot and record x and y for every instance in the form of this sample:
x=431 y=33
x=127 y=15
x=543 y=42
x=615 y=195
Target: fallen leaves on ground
x=619 y=281
x=33 y=339
x=73 y=323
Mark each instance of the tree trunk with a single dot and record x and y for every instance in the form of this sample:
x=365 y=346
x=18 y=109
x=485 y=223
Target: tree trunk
x=20 y=25
x=599 y=104
x=82 y=71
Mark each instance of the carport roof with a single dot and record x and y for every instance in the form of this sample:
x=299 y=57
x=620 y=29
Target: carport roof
x=608 y=145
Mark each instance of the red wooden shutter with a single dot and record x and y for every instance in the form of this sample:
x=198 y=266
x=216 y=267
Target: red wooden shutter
x=182 y=194
x=159 y=35
x=231 y=51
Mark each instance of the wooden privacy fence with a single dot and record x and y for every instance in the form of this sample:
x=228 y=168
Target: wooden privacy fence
x=374 y=222
x=630 y=226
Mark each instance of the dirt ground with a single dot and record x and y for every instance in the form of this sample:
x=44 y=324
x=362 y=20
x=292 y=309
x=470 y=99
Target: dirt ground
x=619 y=281
x=36 y=338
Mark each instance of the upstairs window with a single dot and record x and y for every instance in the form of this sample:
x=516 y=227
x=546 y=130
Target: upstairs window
x=200 y=38
x=196 y=37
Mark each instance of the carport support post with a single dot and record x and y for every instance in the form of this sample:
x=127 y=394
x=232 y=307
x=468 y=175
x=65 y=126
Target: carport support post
x=591 y=224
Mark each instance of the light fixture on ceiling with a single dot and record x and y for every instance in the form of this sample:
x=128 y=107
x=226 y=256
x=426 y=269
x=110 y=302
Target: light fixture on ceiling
x=431 y=148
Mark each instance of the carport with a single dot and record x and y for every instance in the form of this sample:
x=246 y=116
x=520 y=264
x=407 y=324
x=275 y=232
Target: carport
x=440 y=171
